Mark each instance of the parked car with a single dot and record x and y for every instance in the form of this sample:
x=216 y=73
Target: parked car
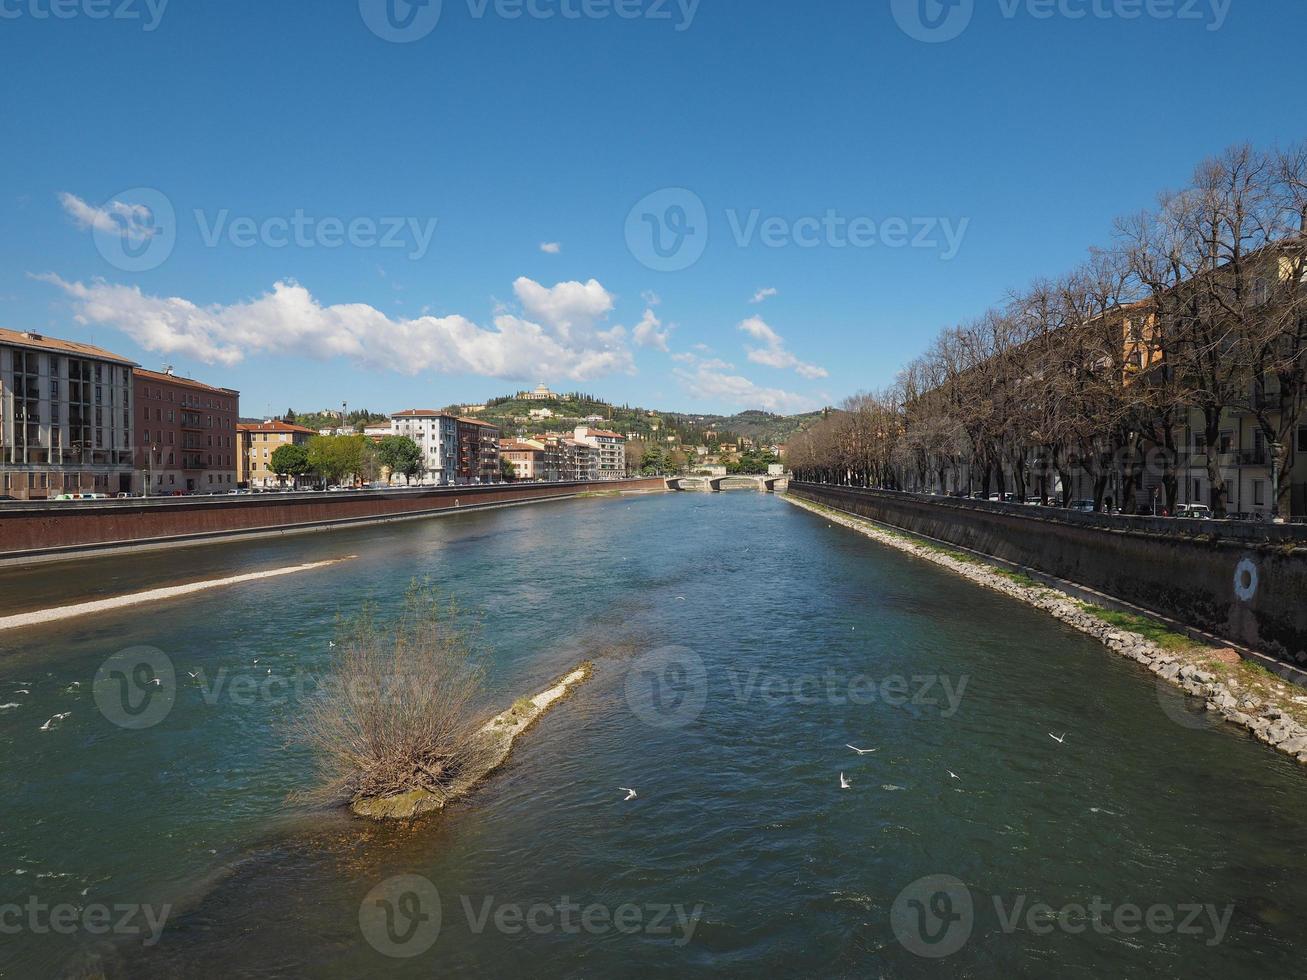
x=1082 y=506
x=1194 y=512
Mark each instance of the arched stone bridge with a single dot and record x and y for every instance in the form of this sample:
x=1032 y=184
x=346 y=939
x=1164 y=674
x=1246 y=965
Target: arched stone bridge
x=717 y=484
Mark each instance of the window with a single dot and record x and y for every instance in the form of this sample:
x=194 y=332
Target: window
x=1302 y=438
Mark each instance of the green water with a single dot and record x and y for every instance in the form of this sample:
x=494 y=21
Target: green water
x=740 y=643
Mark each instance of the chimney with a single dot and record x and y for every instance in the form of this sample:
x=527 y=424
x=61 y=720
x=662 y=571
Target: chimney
x=33 y=335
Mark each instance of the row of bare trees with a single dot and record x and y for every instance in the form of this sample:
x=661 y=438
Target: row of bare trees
x=1196 y=313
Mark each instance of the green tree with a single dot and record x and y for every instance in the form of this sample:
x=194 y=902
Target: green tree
x=290 y=460
x=506 y=471
x=400 y=454
x=335 y=457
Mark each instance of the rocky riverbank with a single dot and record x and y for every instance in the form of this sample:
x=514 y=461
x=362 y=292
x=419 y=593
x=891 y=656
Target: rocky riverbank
x=498 y=735
x=1235 y=691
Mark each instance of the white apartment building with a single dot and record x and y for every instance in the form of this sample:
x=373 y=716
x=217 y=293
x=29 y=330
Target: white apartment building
x=611 y=450
x=65 y=418
x=436 y=434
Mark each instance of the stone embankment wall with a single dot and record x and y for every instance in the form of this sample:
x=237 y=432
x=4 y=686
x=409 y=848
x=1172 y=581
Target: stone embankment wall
x=32 y=531
x=1245 y=583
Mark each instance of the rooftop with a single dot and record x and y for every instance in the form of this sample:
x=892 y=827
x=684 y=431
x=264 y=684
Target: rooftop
x=36 y=341
x=275 y=425
x=166 y=378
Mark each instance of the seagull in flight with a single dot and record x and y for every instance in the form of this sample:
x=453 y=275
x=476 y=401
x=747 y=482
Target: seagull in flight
x=60 y=717
x=680 y=598
x=844 y=783
x=858 y=750
x=630 y=793
x=193 y=674
x=952 y=773
x=1059 y=741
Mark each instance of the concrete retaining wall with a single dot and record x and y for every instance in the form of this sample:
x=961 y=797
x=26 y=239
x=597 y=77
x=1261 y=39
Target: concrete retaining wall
x=1245 y=583
x=40 y=530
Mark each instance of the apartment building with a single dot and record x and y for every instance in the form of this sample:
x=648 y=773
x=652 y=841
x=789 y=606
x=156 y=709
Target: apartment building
x=65 y=418
x=526 y=456
x=610 y=448
x=257 y=441
x=185 y=436
x=580 y=460
x=455 y=450
x=436 y=434
x=478 y=451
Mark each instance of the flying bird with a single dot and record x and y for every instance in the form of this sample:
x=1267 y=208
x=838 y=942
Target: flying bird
x=1055 y=738
x=952 y=773
x=844 y=783
x=630 y=793
x=51 y=721
x=858 y=750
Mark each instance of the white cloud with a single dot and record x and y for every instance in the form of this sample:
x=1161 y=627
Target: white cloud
x=706 y=381
x=135 y=220
x=649 y=332
x=562 y=342
x=764 y=294
x=650 y=298
x=551 y=248
x=569 y=307
x=773 y=352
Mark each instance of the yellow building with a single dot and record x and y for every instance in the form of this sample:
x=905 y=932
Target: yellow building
x=258 y=441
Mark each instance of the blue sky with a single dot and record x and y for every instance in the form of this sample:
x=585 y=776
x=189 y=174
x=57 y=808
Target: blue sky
x=797 y=127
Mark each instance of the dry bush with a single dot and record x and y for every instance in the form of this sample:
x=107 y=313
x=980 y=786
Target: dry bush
x=398 y=712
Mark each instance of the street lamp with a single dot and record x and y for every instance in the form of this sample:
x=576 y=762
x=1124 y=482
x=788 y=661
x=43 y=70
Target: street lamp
x=1276 y=449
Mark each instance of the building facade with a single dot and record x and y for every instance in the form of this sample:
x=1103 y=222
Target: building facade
x=436 y=434
x=580 y=461
x=478 y=452
x=527 y=458
x=257 y=442
x=65 y=418
x=185 y=436
x=610 y=450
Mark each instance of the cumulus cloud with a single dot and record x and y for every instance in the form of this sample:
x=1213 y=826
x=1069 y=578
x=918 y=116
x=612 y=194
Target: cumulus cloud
x=557 y=336
x=764 y=294
x=649 y=332
x=568 y=307
x=551 y=248
x=773 y=353
x=708 y=381
x=134 y=220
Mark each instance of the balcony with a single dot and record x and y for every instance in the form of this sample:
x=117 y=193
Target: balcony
x=1254 y=457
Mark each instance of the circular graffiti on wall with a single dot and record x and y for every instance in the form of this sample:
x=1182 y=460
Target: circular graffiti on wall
x=1245 y=579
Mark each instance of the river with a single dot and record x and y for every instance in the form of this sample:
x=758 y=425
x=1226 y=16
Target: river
x=740 y=645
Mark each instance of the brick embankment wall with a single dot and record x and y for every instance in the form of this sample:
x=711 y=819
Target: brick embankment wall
x=46 y=529
x=1245 y=583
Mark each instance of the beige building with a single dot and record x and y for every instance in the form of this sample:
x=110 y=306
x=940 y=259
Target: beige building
x=258 y=441
x=610 y=449
x=65 y=418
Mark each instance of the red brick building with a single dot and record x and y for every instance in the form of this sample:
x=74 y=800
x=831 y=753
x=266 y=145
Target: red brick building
x=185 y=434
